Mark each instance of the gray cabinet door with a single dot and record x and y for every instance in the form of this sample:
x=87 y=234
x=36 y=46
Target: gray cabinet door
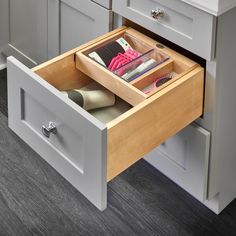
x=32 y=27
x=184 y=158
x=28 y=28
x=3 y=23
x=40 y=30
x=81 y=21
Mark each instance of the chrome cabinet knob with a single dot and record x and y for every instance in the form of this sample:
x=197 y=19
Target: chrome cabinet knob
x=50 y=129
x=157 y=13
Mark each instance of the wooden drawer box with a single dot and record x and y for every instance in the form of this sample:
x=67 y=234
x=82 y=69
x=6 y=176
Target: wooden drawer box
x=180 y=23
x=86 y=151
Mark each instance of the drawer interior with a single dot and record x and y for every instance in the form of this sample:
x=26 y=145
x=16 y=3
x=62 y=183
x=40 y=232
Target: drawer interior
x=77 y=70
x=65 y=77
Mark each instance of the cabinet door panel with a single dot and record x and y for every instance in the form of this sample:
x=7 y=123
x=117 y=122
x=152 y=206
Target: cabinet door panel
x=28 y=28
x=81 y=21
x=3 y=23
x=184 y=159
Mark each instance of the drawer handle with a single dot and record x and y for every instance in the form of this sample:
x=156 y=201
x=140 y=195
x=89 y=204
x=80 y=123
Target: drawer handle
x=157 y=13
x=47 y=130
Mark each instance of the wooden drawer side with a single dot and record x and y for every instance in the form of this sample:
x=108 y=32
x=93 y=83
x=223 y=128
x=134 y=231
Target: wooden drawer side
x=153 y=121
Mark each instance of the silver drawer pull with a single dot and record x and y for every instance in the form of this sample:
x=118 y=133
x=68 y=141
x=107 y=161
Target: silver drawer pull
x=157 y=13
x=47 y=130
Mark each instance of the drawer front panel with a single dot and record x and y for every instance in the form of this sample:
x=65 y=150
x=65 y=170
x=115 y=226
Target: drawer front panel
x=67 y=142
x=182 y=24
x=78 y=150
x=184 y=159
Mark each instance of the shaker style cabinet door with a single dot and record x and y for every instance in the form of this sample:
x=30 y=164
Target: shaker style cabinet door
x=31 y=30
x=50 y=27
x=81 y=21
x=28 y=29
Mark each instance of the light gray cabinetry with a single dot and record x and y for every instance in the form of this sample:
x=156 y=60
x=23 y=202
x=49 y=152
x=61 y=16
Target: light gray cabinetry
x=222 y=173
x=184 y=159
x=3 y=23
x=197 y=31
x=28 y=28
x=202 y=160
x=78 y=150
x=40 y=30
x=179 y=22
x=81 y=21
x=87 y=152
x=30 y=36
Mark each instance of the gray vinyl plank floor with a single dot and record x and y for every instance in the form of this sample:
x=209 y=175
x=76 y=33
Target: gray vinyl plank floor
x=36 y=200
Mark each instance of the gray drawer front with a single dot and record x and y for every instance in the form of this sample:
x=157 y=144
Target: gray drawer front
x=78 y=150
x=184 y=159
x=182 y=24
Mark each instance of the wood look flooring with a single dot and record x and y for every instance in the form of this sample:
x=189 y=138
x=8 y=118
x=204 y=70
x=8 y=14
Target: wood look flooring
x=36 y=200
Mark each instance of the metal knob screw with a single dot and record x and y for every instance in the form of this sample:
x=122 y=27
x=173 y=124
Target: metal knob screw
x=50 y=129
x=157 y=13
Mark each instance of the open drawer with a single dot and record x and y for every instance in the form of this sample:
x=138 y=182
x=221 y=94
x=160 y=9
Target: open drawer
x=89 y=152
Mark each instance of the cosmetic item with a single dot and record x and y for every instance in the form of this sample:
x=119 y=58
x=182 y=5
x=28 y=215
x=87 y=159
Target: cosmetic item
x=106 y=53
x=142 y=68
x=158 y=82
x=91 y=99
x=122 y=59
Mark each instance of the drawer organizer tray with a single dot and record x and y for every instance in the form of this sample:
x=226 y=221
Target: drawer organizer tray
x=89 y=152
x=131 y=92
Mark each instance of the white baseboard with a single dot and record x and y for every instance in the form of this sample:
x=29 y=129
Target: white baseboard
x=3 y=64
